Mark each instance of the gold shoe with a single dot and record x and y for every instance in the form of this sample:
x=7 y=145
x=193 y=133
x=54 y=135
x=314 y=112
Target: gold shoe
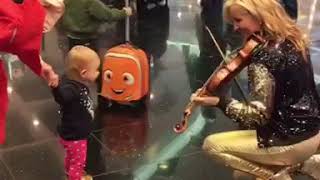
x=240 y=175
x=283 y=174
x=311 y=167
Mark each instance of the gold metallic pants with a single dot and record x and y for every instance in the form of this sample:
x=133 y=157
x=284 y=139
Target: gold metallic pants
x=239 y=150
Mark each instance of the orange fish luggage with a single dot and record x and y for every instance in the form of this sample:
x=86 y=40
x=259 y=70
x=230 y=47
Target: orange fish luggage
x=125 y=72
x=125 y=75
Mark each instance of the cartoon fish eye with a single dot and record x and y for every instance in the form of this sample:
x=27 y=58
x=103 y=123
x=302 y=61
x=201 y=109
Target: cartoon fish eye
x=108 y=75
x=128 y=78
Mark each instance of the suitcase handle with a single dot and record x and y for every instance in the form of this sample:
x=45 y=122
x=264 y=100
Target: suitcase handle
x=127 y=25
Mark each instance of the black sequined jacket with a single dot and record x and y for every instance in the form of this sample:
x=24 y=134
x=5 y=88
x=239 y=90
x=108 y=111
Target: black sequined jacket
x=284 y=104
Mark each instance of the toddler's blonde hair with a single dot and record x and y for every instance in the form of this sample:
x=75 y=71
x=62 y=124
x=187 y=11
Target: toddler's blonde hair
x=78 y=58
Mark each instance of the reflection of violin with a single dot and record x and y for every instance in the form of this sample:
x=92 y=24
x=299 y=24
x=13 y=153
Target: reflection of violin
x=223 y=74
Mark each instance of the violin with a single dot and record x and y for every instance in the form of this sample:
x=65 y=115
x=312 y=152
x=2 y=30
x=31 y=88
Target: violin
x=223 y=74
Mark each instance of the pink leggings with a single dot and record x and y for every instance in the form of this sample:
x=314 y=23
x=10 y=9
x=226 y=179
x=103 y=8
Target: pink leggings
x=75 y=158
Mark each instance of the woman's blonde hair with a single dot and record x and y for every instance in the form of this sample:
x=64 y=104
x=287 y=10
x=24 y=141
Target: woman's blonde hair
x=276 y=23
x=78 y=58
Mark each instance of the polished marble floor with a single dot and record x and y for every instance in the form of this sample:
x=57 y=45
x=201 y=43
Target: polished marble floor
x=135 y=143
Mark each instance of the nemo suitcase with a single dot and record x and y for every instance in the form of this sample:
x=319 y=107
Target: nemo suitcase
x=125 y=72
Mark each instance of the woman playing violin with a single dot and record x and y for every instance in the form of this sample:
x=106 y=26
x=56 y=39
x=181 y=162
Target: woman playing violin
x=283 y=110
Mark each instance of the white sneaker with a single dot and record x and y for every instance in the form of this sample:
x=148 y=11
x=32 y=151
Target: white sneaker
x=86 y=177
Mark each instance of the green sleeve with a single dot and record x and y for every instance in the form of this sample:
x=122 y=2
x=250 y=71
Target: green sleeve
x=104 y=13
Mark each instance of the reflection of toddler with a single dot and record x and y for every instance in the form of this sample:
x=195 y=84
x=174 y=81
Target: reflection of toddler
x=76 y=107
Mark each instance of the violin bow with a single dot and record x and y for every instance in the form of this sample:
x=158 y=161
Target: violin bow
x=182 y=126
x=224 y=60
